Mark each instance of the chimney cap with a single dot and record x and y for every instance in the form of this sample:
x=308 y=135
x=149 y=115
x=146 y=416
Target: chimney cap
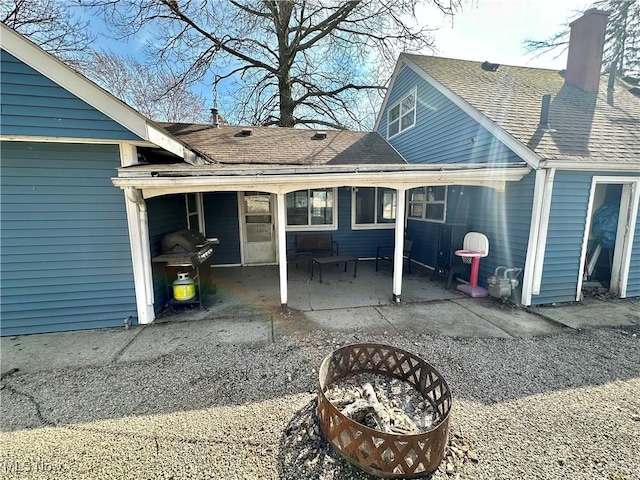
x=591 y=11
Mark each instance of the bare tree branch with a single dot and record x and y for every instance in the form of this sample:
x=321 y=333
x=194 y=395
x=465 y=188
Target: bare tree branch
x=154 y=93
x=622 y=39
x=52 y=25
x=306 y=57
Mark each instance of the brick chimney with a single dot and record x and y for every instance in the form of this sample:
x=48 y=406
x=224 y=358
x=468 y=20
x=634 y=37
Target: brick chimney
x=586 y=45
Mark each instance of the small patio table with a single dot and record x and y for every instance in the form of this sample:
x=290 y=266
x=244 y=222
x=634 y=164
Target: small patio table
x=333 y=259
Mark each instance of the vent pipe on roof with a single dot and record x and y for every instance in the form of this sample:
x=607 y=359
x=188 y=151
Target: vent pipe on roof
x=544 y=114
x=319 y=135
x=490 y=67
x=214 y=118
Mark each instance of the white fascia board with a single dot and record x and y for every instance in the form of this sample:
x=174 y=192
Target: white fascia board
x=396 y=72
x=592 y=166
x=161 y=139
x=159 y=185
x=496 y=130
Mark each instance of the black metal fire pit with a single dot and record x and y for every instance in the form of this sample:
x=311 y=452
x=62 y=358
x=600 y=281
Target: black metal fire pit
x=383 y=454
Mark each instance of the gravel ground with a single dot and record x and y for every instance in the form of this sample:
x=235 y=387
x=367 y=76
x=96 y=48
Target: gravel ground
x=558 y=407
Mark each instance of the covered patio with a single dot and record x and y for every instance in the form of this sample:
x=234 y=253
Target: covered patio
x=350 y=185
x=251 y=291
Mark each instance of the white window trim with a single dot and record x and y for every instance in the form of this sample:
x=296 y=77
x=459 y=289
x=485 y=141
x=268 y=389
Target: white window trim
x=425 y=203
x=314 y=228
x=414 y=91
x=198 y=212
x=369 y=226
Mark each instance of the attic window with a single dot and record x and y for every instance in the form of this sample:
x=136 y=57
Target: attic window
x=490 y=67
x=402 y=115
x=319 y=135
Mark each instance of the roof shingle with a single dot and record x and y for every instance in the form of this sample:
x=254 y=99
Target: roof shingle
x=585 y=127
x=285 y=146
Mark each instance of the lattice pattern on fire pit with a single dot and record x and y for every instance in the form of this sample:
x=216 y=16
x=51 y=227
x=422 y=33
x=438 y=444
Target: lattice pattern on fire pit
x=385 y=454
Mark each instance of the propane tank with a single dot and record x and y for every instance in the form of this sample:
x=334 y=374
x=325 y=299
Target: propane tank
x=184 y=288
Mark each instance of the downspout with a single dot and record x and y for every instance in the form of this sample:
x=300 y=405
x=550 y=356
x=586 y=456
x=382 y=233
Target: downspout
x=135 y=196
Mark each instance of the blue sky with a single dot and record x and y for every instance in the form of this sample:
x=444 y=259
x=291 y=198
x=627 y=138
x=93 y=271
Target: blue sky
x=494 y=30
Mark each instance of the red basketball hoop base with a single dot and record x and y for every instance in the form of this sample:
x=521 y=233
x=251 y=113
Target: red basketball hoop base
x=475 y=292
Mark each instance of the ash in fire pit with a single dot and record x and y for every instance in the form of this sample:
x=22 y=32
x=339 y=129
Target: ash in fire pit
x=383 y=403
x=381 y=426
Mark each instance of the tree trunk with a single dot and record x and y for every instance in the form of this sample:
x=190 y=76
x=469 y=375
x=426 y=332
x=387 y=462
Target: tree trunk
x=287 y=105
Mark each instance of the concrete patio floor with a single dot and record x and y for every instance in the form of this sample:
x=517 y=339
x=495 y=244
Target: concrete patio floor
x=246 y=309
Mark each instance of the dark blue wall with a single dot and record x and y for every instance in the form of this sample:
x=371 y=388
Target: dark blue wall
x=221 y=221
x=166 y=214
x=360 y=243
x=505 y=218
x=425 y=234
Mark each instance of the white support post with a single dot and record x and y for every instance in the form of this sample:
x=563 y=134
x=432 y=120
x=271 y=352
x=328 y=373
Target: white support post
x=547 y=197
x=281 y=221
x=398 y=259
x=139 y=242
x=536 y=210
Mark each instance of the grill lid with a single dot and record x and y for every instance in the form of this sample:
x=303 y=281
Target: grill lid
x=183 y=241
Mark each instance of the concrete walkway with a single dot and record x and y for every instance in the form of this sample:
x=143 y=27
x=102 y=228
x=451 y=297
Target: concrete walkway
x=456 y=316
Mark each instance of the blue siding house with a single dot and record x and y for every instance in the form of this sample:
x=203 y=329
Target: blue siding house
x=539 y=161
x=71 y=252
x=579 y=140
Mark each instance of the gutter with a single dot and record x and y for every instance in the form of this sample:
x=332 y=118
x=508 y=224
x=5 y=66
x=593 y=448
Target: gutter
x=598 y=166
x=283 y=183
x=141 y=171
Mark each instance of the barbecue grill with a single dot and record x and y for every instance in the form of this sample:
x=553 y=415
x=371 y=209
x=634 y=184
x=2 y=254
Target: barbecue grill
x=183 y=251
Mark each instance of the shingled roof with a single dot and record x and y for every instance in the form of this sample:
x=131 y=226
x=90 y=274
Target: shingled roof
x=584 y=127
x=285 y=146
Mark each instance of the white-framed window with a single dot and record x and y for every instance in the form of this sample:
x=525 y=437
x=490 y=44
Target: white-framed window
x=194 y=211
x=312 y=209
x=373 y=207
x=402 y=115
x=428 y=203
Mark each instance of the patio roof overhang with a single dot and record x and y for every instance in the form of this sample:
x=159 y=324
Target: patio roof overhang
x=157 y=180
